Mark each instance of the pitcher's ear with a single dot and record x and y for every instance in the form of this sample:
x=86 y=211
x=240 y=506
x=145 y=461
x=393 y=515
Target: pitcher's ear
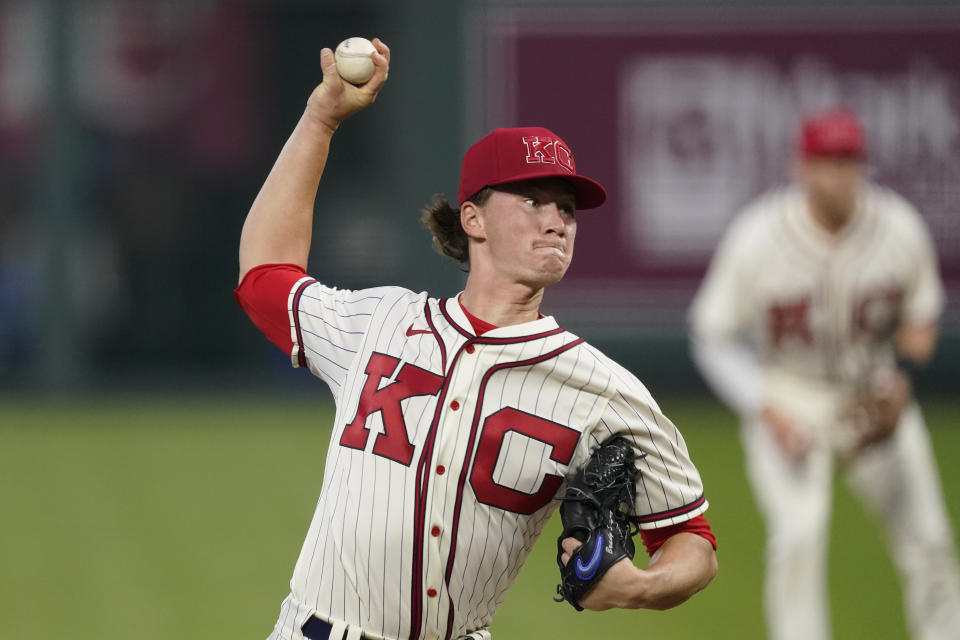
x=471 y=219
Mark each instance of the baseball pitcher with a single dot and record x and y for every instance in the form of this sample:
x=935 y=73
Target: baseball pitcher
x=459 y=420
x=821 y=301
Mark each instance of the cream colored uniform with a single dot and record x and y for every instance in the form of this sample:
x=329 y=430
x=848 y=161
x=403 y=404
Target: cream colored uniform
x=447 y=455
x=791 y=316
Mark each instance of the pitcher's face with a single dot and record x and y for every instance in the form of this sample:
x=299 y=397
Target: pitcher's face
x=529 y=230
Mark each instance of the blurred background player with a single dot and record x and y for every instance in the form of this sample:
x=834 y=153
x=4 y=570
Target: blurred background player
x=820 y=304
x=457 y=418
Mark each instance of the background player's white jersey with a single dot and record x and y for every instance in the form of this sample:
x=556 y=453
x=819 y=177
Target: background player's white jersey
x=447 y=455
x=817 y=307
x=792 y=317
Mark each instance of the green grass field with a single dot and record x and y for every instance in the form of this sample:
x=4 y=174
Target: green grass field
x=168 y=517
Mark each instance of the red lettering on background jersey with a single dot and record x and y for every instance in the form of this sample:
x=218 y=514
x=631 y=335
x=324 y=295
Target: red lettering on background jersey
x=562 y=439
x=393 y=443
x=790 y=321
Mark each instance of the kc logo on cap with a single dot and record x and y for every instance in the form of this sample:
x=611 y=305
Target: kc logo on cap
x=548 y=151
x=524 y=153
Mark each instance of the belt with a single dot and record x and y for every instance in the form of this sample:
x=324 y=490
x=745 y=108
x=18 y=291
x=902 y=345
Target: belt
x=316 y=629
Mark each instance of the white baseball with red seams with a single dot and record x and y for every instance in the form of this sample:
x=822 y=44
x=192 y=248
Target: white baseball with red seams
x=354 y=63
x=447 y=456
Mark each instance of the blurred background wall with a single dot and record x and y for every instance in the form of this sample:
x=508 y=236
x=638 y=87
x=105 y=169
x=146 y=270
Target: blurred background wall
x=135 y=135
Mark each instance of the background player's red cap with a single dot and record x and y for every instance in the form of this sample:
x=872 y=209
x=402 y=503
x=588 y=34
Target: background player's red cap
x=835 y=132
x=525 y=153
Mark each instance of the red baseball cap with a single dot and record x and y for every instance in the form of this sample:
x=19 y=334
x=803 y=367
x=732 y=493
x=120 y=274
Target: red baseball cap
x=524 y=153
x=834 y=132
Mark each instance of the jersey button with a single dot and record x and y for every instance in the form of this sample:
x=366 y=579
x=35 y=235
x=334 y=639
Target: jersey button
x=441 y=469
x=435 y=531
x=432 y=592
x=454 y=405
x=469 y=348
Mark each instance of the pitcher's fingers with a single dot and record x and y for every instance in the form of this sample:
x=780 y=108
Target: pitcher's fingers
x=381 y=69
x=381 y=62
x=570 y=545
x=382 y=48
x=328 y=64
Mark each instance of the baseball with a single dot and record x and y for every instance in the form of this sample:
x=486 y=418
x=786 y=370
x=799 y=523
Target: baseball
x=354 y=63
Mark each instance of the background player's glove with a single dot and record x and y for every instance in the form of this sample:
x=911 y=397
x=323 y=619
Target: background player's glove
x=876 y=411
x=597 y=511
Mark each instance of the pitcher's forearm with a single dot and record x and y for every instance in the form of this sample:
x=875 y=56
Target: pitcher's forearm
x=279 y=224
x=685 y=564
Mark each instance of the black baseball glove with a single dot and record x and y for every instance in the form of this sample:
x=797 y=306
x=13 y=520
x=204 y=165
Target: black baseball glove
x=597 y=510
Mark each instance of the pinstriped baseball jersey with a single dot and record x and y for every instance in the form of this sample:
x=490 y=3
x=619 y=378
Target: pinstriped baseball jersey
x=818 y=307
x=447 y=455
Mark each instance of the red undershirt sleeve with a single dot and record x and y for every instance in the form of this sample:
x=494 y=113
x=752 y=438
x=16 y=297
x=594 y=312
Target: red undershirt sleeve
x=263 y=294
x=654 y=538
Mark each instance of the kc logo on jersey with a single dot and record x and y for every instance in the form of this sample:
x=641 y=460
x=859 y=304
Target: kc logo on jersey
x=545 y=150
x=394 y=443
